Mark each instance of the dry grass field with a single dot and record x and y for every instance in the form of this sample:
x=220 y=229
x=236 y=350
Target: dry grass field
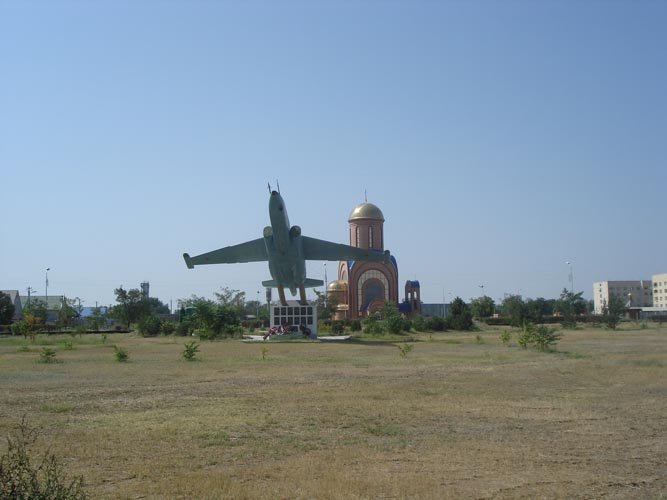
x=455 y=418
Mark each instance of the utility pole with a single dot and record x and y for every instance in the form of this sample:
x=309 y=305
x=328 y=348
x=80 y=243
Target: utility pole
x=30 y=290
x=571 y=277
x=325 y=285
x=46 y=290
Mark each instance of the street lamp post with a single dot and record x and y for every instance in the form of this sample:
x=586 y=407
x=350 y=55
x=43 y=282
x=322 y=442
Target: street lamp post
x=257 y=305
x=571 y=276
x=46 y=288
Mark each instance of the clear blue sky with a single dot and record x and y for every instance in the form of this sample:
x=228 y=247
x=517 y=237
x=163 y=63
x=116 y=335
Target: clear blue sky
x=500 y=139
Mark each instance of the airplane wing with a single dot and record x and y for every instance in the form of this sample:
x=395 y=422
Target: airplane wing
x=250 y=251
x=314 y=249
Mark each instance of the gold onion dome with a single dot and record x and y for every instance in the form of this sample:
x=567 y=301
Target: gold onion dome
x=337 y=286
x=366 y=211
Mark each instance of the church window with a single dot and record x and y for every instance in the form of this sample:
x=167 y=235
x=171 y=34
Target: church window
x=357 y=235
x=370 y=237
x=372 y=285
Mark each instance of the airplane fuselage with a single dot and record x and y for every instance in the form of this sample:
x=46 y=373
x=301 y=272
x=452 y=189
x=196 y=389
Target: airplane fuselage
x=287 y=264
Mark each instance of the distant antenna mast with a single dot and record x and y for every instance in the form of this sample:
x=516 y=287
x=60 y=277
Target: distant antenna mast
x=365 y=196
x=269 y=186
x=278 y=186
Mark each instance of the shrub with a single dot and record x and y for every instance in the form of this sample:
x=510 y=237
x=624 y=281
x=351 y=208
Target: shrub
x=120 y=353
x=47 y=355
x=68 y=345
x=167 y=328
x=505 y=337
x=459 y=316
x=337 y=327
x=479 y=339
x=355 y=325
x=419 y=323
x=525 y=336
x=183 y=329
x=190 y=351
x=44 y=479
x=436 y=324
x=544 y=337
x=371 y=325
x=404 y=349
x=150 y=326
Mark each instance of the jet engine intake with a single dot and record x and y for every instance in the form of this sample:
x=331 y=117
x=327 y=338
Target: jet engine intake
x=295 y=231
x=268 y=231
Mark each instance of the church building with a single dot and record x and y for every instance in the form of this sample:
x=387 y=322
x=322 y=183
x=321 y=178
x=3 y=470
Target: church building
x=363 y=287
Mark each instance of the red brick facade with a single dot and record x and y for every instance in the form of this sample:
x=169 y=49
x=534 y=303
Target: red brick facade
x=369 y=284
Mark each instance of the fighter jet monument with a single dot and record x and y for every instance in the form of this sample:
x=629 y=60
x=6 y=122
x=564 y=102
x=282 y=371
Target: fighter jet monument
x=286 y=250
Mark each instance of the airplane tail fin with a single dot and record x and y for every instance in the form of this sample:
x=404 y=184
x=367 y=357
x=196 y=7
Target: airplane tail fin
x=310 y=283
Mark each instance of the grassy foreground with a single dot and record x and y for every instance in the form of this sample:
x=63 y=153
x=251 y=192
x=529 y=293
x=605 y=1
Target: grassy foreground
x=454 y=418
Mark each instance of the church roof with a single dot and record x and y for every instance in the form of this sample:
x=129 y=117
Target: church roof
x=337 y=286
x=366 y=211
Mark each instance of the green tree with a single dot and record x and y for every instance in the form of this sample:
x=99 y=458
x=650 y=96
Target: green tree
x=234 y=298
x=514 y=309
x=419 y=323
x=393 y=321
x=156 y=306
x=325 y=308
x=459 y=316
x=536 y=309
x=150 y=326
x=613 y=311
x=6 y=309
x=96 y=319
x=570 y=305
x=482 y=307
x=131 y=306
x=36 y=309
x=370 y=324
x=69 y=312
x=436 y=324
x=211 y=319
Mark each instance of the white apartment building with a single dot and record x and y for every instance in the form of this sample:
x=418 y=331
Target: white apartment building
x=633 y=293
x=660 y=290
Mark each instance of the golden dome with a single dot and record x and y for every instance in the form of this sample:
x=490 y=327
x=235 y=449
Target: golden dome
x=366 y=211
x=337 y=286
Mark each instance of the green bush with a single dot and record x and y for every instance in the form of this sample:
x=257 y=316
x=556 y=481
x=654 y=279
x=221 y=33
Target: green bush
x=150 y=326
x=459 y=316
x=355 y=325
x=24 y=476
x=167 y=328
x=525 y=336
x=419 y=323
x=371 y=325
x=505 y=337
x=120 y=353
x=436 y=324
x=190 y=350
x=404 y=349
x=337 y=327
x=184 y=329
x=47 y=355
x=544 y=337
